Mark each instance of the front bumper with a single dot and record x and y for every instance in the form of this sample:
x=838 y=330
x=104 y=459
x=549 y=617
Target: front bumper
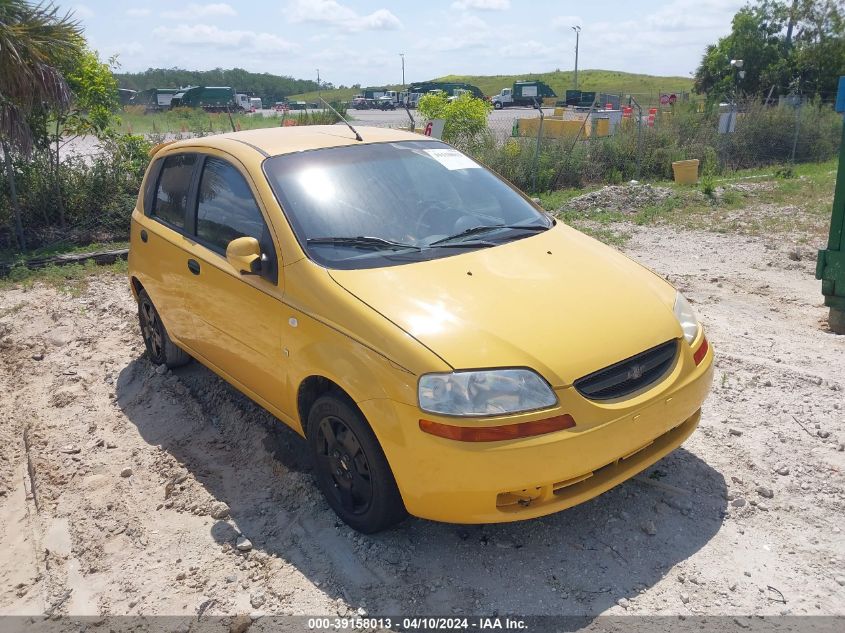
x=491 y=482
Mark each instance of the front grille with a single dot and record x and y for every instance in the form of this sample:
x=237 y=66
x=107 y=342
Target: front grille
x=630 y=375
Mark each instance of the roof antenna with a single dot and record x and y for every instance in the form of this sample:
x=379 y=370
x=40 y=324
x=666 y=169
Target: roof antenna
x=339 y=116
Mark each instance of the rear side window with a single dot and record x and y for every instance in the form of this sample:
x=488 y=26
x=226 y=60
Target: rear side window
x=174 y=183
x=226 y=208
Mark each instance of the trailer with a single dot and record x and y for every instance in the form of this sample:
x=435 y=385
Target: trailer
x=255 y=104
x=523 y=93
x=451 y=88
x=155 y=99
x=125 y=96
x=209 y=98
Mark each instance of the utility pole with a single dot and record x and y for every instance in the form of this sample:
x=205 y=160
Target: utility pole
x=577 y=30
x=319 y=90
x=402 y=55
x=736 y=65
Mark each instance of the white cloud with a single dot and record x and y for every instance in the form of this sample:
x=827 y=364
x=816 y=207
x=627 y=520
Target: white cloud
x=483 y=5
x=379 y=20
x=138 y=13
x=526 y=48
x=196 y=11
x=82 y=11
x=565 y=22
x=657 y=41
x=199 y=35
x=464 y=33
x=338 y=15
x=130 y=49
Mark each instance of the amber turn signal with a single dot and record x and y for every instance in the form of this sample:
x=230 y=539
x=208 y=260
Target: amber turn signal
x=498 y=433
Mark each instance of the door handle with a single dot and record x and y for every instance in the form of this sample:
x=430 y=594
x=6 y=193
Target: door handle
x=193 y=266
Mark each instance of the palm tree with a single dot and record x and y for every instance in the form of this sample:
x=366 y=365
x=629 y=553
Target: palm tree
x=34 y=38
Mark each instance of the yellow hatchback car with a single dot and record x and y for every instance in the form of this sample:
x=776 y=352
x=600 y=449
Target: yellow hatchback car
x=446 y=348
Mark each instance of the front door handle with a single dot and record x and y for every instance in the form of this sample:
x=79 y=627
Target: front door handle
x=194 y=266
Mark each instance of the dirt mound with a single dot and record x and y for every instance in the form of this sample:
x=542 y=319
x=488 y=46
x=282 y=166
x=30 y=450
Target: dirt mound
x=625 y=198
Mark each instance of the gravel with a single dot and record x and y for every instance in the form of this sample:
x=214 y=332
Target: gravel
x=106 y=541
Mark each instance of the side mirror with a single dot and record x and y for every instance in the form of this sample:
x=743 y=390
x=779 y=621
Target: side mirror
x=244 y=254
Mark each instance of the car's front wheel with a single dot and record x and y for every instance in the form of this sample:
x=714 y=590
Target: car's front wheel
x=351 y=468
x=160 y=348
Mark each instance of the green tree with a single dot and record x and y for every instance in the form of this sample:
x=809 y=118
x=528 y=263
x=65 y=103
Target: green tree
x=785 y=45
x=95 y=97
x=755 y=39
x=270 y=88
x=819 y=51
x=465 y=117
x=92 y=109
x=34 y=39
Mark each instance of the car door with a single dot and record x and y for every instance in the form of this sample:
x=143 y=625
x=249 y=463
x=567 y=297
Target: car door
x=237 y=316
x=161 y=241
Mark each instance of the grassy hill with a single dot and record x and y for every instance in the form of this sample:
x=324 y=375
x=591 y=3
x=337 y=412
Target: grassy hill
x=645 y=88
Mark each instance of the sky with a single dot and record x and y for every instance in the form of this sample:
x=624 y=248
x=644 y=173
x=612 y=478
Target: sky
x=359 y=41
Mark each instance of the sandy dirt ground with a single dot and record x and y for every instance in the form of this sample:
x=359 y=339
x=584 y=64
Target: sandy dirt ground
x=125 y=489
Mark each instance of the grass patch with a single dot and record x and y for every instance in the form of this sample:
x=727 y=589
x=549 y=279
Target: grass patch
x=72 y=279
x=755 y=202
x=195 y=122
x=60 y=248
x=135 y=120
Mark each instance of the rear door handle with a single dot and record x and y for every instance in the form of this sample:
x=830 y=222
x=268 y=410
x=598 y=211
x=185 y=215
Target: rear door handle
x=194 y=266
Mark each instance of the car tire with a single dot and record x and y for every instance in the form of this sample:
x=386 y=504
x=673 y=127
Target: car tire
x=350 y=467
x=160 y=348
x=497 y=105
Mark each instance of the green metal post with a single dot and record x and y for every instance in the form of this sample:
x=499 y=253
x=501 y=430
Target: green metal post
x=830 y=267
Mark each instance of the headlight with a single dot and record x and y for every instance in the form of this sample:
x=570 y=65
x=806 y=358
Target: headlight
x=686 y=317
x=488 y=392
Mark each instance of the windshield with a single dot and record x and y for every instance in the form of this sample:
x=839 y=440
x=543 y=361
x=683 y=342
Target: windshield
x=386 y=204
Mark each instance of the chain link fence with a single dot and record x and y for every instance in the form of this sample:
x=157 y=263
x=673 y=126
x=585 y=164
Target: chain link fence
x=90 y=196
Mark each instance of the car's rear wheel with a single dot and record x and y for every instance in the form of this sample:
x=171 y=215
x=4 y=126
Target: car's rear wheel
x=160 y=348
x=351 y=468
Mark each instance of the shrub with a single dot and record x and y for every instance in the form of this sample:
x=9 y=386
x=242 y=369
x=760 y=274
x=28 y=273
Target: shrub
x=465 y=118
x=98 y=193
x=763 y=136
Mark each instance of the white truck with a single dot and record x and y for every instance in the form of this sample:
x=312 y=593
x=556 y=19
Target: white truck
x=523 y=93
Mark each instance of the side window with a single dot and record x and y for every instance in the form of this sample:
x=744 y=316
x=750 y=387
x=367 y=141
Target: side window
x=174 y=182
x=226 y=209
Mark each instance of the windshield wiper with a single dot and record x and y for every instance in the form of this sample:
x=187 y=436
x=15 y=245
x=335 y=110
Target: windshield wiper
x=484 y=228
x=362 y=241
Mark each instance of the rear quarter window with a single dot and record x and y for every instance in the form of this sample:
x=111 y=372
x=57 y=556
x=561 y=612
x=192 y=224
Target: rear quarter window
x=174 y=184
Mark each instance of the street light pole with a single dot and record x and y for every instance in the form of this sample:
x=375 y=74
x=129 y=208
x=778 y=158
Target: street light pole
x=577 y=30
x=737 y=65
x=402 y=55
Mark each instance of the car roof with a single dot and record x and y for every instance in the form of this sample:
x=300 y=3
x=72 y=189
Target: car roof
x=285 y=140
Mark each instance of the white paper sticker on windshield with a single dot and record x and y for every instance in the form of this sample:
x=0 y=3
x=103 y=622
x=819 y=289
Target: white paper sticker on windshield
x=452 y=159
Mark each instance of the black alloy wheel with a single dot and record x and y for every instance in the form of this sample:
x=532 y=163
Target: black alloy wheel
x=152 y=329
x=160 y=348
x=349 y=464
x=345 y=462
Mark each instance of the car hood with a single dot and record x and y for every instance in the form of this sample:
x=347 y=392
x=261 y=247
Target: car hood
x=559 y=302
